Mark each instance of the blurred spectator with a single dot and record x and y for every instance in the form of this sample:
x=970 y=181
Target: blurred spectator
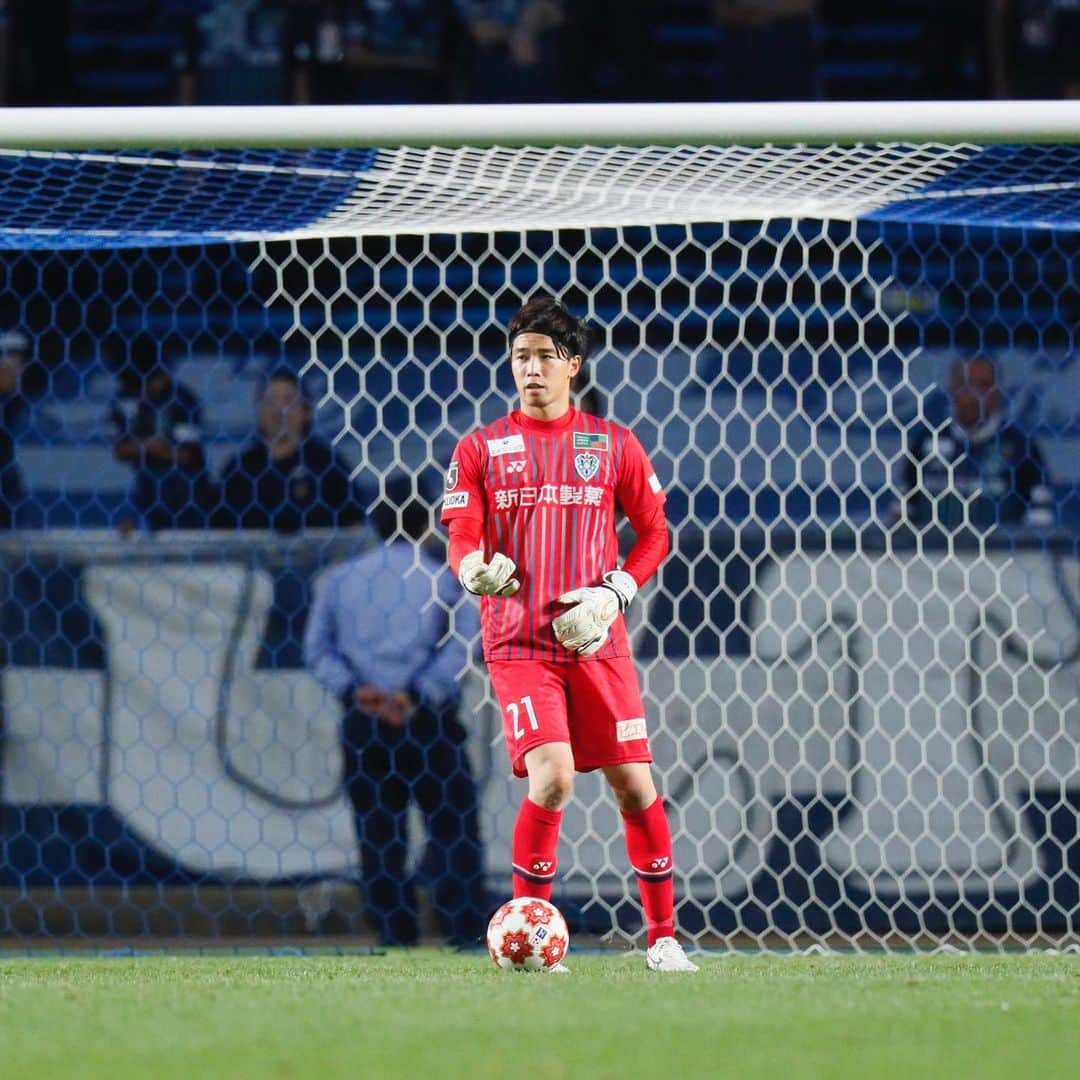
x=515 y=52
x=317 y=52
x=980 y=471
x=381 y=51
x=157 y=430
x=14 y=356
x=288 y=479
x=1035 y=48
x=316 y=44
x=232 y=54
x=768 y=50
x=387 y=635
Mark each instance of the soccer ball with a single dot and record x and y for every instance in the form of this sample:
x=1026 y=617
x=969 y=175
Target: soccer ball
x=527 y=934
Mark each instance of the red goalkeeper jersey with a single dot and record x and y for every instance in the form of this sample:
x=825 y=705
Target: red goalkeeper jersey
x=546 y=493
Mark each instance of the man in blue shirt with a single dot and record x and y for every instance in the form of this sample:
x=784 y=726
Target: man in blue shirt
x=398 y=680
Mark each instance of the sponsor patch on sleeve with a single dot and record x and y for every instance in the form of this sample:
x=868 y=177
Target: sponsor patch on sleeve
x=455 y=500
x=654 y=484
x=629 y=730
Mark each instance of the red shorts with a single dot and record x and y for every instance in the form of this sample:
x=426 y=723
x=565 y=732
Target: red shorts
x=594 y=705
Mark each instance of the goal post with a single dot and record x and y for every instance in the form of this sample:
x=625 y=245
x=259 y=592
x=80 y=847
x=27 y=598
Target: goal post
x=862 y=658
x=630 y=124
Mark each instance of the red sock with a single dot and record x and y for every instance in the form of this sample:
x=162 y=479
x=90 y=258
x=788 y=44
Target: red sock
x=648 y=843
x=536 y=837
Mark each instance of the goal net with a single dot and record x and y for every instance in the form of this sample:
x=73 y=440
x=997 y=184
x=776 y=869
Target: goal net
x=860 y=660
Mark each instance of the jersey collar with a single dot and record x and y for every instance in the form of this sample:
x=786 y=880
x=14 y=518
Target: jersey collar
x=552 y=427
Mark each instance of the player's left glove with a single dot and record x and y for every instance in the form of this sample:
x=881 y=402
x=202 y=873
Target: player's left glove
x=584 y=628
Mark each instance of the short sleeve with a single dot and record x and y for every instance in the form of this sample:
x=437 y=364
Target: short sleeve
x=638 y=491
x=463 y=492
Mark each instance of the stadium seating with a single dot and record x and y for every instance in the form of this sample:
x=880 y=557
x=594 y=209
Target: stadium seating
x=959 y=301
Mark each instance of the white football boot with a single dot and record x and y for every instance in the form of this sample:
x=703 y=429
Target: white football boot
x=667 y=956
x=559 y=969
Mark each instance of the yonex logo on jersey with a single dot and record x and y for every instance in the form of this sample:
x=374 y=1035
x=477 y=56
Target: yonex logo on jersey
x=590 y=440
x=456 y=501
x=629 y=730
x=452 y=476
x=586 y=465
x=511 y=444
x=516 y=466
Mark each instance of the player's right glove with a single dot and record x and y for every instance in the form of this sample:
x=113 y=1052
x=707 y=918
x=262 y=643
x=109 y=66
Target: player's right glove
x=584 y=628
x=494 y=578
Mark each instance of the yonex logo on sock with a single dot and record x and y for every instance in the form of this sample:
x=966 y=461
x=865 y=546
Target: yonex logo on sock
x=660 y=864
x=540 y=866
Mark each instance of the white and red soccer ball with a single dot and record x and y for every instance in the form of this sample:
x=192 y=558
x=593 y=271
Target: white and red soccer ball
x=527 y=934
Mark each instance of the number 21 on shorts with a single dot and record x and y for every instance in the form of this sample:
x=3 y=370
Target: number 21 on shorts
x=514 y=709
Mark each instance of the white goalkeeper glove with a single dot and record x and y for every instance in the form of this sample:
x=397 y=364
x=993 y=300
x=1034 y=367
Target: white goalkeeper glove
x=584 y=628
x=494 y=578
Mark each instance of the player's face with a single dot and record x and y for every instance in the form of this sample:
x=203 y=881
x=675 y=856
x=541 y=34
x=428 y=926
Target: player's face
x=542 y=375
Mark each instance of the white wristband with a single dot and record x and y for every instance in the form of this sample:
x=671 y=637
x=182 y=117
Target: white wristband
x=622 y=585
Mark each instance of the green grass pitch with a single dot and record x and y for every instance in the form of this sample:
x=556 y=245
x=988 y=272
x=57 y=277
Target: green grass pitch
x=437 y=1014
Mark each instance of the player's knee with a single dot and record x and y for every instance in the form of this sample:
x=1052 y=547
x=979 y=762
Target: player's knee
x=552 y=785
x=551 y=775
x=632 y=787
x=634 y=800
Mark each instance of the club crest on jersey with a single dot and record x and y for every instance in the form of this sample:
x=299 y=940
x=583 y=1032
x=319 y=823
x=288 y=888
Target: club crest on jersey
x=587 y=465
x=451 y=476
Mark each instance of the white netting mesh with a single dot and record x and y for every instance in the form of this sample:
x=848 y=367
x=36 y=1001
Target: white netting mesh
x=238 y=195
x=861 y=724
x=440 y=190
x=863 y=708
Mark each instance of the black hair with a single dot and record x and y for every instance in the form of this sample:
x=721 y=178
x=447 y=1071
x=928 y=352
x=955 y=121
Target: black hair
x=543 y=314
x=284 y=374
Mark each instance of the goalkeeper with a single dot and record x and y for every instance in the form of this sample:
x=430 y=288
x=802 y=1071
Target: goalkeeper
x=531 y=503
